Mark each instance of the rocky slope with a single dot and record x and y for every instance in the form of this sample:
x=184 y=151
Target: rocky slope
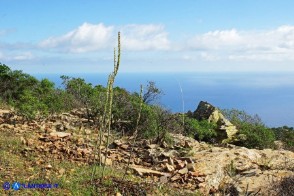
x=186 y=163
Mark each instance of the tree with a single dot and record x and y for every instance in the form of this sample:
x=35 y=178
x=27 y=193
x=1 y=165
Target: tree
x=152 y=93
x=238 y=116
x=14 y=83
x=29 y=105
x=83 y=94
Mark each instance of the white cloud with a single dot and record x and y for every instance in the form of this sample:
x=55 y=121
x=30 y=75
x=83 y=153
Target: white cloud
x=145 y=37
x=91 y=37
x=23 y=56
x=216 y=39
x=271 y=45
x=219 y=50
x=16 y=56
x=87 y=37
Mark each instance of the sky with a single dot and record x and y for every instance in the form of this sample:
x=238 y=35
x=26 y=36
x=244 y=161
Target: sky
x=79 y=36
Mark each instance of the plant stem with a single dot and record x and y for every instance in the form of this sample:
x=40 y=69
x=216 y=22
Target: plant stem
x=106 y=118
x=136 y=131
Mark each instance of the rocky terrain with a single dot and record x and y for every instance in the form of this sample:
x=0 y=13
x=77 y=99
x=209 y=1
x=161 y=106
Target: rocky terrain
x=185 y=164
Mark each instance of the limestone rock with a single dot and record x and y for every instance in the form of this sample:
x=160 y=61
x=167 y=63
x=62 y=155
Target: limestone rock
x=59 y=134
x=183 y=171
x=169 y=167
x=106 y=161
x=206 y=111
x=144 y=171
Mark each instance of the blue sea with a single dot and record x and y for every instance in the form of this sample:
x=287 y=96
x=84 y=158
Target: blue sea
x=270 y=95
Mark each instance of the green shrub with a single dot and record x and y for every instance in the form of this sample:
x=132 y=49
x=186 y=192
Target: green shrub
x=14 y=83
x=125 y=110
x=202 y=130
x=237 y=117
x=156 y=123
x=286 y=135
x=29 y=105
x=80 y=94
x=257 y=136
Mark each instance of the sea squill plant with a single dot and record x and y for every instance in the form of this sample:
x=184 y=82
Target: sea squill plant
x=107 y=114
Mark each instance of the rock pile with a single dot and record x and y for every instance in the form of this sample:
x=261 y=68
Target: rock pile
x=186 y=163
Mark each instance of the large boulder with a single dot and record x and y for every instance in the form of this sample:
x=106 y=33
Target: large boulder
x=227 y=131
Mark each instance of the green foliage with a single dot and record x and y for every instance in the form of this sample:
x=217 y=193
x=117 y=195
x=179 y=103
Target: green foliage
x=32 y=98
x=83 y=95
x=257 y=134
x=42 y=99
x=204 y=130
x=29 y=105
x=156 y=123
x=81 y=90
x=164 y=122
x=14 y=83
x=147 y=125
x=286 y=135
x=152 y=93
x=237 y=117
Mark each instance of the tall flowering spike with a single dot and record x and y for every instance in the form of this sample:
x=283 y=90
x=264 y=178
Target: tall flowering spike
x=116 y=65
x=108 y=108
x=114 y=57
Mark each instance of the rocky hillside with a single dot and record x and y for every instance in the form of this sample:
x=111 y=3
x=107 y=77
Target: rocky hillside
x=185 y=164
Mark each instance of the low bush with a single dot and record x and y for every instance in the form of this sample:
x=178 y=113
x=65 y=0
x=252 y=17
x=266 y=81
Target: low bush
x=156 y=122
x=200 y=130
x=257 y=134
x=286 y=135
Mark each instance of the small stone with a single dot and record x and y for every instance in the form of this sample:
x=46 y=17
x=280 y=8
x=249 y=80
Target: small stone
x=117 y=142
x=61 y=171
x=183 y=171
x=80 y=141
x=151 y=146
x=143 y=171
x=59 y=134
x=48 y=166
x=196 y=174
x=106 y=161
x=124 y=146
x=181 y=164
x=175 y=178
x=170 y=161
x=191 y=167
x=87 y=131
x=164 y=144
x=199 y=179
x=23 y=141
x=169 y=167
x=163 y=179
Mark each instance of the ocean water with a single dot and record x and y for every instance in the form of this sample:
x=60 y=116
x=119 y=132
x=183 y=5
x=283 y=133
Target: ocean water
x=270 y=95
